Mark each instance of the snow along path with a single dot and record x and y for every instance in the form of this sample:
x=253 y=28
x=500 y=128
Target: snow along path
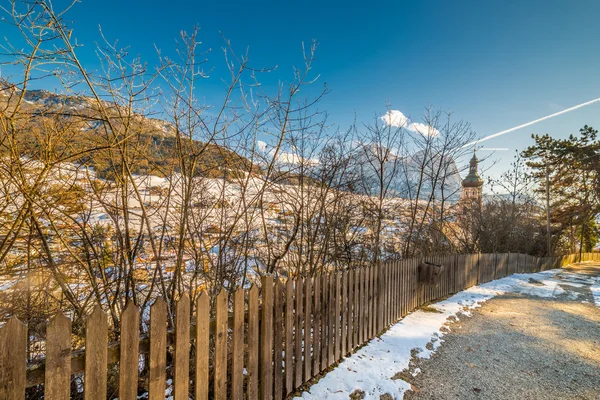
x=370 y=369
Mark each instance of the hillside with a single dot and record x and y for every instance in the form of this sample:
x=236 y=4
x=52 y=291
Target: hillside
x=80 y=134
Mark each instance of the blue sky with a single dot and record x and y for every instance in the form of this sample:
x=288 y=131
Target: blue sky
x=496 y=64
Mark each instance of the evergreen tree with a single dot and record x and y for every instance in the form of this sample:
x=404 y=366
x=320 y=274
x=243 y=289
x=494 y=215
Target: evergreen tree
x=572 y=166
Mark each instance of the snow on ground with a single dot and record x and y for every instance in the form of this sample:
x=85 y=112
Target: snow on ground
x=595 y=289
x=371 y=368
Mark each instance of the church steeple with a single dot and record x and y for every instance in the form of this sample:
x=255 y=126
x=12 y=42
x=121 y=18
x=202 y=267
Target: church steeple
x=472 y=184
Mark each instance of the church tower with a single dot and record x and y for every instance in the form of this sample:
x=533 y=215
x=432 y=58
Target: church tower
x=472 y=185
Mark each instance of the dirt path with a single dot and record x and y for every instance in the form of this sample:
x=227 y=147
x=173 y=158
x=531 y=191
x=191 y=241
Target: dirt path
x=519 y=347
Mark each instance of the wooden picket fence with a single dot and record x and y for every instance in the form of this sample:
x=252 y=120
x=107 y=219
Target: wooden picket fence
x=261 y=343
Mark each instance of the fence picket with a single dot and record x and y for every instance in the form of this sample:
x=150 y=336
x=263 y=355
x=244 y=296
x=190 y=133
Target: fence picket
x=388 y=294
x=331 y=321
x=366 y=304
x=253 y=343
x=357 y=303
x=381 y=306
x=350 y=310
x=13 y=360
x=415 y=281
x=317 y=338
x=202 y=341
x=158 y=350
x=408 y=287
x=377 y=295
x=324 y=320
x=362 y=307
x=221 y=332
x=336 y=311
x=394 y=291
x=266 y=359
x=298 y=337
x=402 y=288
x=369 y=298
x=289 y=330
x=96 y=355
x=392 y=312
x=237 y=346
x=344 y=310
x=278 y=341
x=58 y=358
x=372 y=302
x=129 y=352
x=385 y=291
x=398 y=283
x=388 y=312
x=182 y=349
x=307 y=328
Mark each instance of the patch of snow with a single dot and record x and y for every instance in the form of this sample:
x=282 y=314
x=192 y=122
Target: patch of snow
x=7 y=285
x=595 y=289
x=372 y=367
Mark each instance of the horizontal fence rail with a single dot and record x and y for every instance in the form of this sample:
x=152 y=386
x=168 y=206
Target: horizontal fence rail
x=263 y=343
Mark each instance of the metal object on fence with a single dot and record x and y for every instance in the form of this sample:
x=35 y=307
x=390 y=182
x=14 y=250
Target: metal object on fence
x=430 y=273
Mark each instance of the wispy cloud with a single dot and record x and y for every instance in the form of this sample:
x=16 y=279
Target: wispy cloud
x=398 y=119
x=493 y=149
x=425 y=130
x=261 y=145
x=587 y=103
x=394 y=118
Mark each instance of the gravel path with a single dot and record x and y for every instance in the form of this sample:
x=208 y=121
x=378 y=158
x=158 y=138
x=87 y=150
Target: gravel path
x=518 y=347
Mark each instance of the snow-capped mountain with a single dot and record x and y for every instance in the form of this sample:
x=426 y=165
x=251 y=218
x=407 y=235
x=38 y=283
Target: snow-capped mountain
x=438 y=176
x=418 y=175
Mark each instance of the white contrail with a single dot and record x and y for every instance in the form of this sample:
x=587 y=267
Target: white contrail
x=493 y=149
x=532 y=122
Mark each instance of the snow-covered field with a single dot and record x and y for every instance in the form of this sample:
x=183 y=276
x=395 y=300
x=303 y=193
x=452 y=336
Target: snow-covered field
x=370 y=370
